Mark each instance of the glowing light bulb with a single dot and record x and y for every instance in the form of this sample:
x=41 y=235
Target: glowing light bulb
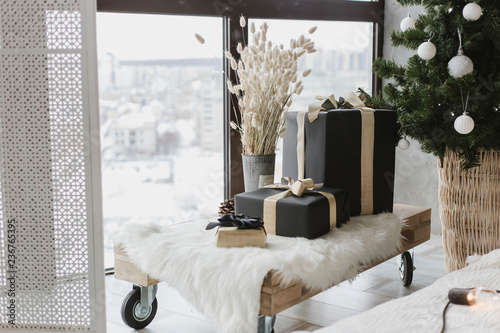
x=471 y=296
x=485 y=298
x=481 y=297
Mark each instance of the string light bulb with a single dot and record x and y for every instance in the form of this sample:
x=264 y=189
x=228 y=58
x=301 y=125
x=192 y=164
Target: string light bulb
x=481 y=297
x=484 y=298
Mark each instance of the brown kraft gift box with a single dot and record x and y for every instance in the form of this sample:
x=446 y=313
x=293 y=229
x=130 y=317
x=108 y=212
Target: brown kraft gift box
x=234 y=237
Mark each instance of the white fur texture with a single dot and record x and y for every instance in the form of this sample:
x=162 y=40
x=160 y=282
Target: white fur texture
x=224 y=284
x=422 y=310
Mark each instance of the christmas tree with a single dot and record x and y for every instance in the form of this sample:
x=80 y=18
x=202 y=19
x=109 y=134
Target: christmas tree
x=432 y=90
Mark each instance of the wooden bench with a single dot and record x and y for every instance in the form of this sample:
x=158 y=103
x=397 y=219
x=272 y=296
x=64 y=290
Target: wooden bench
x=276 y=297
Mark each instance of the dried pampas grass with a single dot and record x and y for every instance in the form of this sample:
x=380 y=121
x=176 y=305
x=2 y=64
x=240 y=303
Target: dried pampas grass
x=267 y=76
x=199 y=38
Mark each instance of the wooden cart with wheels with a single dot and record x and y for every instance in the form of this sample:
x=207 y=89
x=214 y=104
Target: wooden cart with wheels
x=139 y=306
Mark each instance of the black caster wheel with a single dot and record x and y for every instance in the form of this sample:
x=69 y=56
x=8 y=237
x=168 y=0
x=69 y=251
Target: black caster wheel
x=132 y=313
x=406 y=269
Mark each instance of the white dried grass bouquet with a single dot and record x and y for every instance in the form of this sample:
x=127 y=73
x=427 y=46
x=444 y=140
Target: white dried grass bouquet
x=267 y=78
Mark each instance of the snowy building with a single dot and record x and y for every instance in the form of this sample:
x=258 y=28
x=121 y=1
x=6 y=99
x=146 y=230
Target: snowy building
x=135 y=133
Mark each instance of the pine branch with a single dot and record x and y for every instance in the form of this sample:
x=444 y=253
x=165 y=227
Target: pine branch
x=389 y=69
x=410 y=2
x=411 y=38
x=392 y=94
x=494 y=22
x=425 y=3
x=417 y=71
x=376 y=102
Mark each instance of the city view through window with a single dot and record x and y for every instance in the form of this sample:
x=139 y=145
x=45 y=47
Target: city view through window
x=161 y=108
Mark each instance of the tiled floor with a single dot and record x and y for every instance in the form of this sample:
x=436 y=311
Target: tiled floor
x=377 y=285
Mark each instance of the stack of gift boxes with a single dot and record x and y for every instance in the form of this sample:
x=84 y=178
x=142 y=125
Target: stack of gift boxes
x=343 y=160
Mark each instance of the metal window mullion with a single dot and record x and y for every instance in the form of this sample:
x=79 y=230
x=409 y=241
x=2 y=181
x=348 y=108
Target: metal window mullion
x=226 y=111
x=378 y=44
x=234 y=35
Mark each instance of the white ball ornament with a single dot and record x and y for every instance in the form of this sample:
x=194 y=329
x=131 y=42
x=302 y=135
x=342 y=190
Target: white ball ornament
x=472 y=12
x=427 y=50
x=464 y=124
x=460 y=65
x=407 y=23
x=403 y=144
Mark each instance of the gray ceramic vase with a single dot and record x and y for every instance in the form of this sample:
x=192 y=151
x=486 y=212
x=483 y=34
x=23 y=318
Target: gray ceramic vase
x=258 y=171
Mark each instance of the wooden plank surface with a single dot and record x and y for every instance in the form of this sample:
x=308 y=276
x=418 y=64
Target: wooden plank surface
x=125 y=270
x=417 y=220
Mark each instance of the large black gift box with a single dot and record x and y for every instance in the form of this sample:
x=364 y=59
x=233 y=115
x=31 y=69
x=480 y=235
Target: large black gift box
x=305 y=216
x=333 y=154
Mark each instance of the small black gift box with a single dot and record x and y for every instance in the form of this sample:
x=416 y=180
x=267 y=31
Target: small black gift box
x=306 y=216
x=334 y=146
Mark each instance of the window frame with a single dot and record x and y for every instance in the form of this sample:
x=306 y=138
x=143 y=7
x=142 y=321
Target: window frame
x=230 y=11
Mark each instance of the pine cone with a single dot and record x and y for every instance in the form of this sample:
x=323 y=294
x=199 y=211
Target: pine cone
x=226 y=207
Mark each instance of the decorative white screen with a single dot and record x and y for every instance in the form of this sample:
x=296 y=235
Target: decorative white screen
x=51 y=267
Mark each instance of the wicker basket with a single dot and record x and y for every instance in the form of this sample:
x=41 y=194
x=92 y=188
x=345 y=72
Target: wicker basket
x=469 y=207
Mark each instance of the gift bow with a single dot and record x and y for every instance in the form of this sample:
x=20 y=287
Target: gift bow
x=296 y=188
x=331 y=103
x=237 y=220
x=322 y=105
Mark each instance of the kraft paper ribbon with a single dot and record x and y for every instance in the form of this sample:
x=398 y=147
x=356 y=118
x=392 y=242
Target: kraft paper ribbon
x=301 y=145
x=367 y=143
x=367 y=146
x=295 y=188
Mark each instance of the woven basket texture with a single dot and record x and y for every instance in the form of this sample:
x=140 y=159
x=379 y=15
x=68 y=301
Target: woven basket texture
x=469 y=207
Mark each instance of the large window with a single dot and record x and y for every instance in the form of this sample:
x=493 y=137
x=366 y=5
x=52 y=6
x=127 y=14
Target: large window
x=161 y=103
x=149 y=78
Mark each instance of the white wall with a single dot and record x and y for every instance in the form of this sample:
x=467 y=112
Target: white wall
x=416 y=180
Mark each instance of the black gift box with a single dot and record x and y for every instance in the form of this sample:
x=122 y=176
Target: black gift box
x=333 y=154
x=305 y=216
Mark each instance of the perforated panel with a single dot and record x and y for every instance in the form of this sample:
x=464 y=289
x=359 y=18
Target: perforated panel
x=46 y=240
x=64 y=26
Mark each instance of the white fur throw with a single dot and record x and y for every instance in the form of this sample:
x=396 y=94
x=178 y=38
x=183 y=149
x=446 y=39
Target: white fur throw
x=422 y=311
x=224 y=284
